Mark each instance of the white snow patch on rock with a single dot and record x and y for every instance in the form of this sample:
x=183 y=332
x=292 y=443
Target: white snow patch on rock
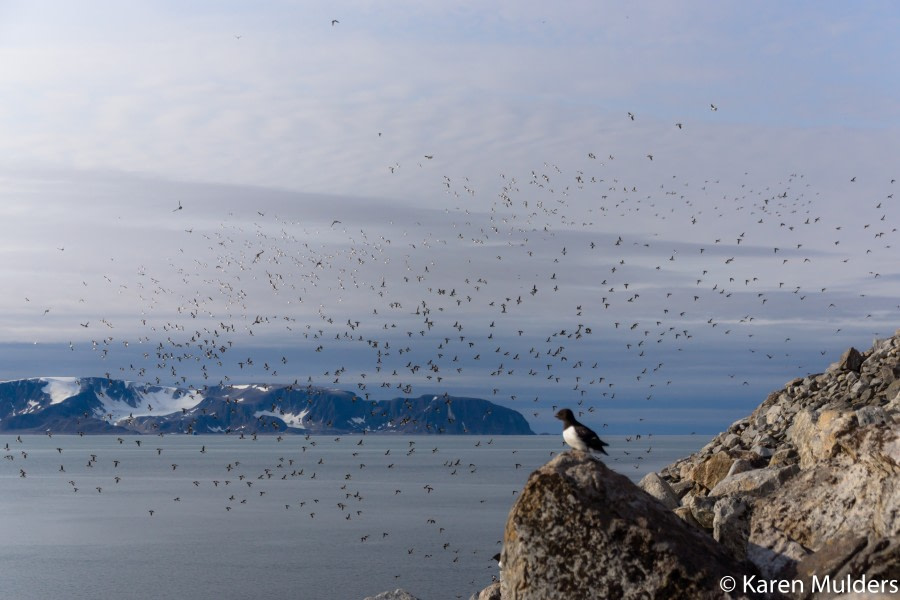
x=157 y=403
x=293 y=420
x=61 y=388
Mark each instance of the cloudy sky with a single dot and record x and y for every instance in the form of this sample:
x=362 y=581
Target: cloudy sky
x=655 y=212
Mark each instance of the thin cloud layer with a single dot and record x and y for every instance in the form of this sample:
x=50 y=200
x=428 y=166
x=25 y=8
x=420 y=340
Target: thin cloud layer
x=433 y=198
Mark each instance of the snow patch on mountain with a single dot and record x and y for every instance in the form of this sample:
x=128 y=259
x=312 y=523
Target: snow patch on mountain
x=160 y=402
x=61 y=388
x=294 y=420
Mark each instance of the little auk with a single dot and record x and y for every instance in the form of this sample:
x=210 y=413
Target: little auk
x=577 y=435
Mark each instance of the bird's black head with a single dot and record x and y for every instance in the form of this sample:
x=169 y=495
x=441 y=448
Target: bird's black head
x=565 y=415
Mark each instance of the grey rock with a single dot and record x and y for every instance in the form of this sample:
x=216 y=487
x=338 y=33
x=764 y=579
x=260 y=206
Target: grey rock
x=893 y=390
x=702 y=510
x=829 y=471
x=767 y=439
x=774 y=414
x=684 y=513
x=491 y=592
x=580 y=530
x=731 y=440
x=816 y=436
x=851 y=360
x=657 y=487
x=739 y=425
x=741 y=465
x=784 y=457
x=871 y=415
x=892 y=408
x=731 y=525
x=713 y=470
x=682 y=487
x=762 y=451
x=857 y=492
x=858 y=388
x=758 y=482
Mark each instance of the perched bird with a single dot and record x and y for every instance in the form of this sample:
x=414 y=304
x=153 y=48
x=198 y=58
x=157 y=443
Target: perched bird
x=577 y=435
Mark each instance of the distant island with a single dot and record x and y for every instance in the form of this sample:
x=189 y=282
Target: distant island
x=99 y=405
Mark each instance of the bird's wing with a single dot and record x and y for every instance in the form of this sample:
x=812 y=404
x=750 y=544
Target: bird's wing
x=590 y=438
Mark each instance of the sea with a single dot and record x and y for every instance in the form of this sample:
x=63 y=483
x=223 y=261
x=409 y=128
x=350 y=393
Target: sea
x=300 y=517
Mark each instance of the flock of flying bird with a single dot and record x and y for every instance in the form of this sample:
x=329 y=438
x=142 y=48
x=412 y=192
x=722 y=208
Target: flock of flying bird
x=592 y=287
x=565 y=287
x=560 y=288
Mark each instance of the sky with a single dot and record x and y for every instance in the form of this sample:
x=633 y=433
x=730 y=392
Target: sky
x=655 y=213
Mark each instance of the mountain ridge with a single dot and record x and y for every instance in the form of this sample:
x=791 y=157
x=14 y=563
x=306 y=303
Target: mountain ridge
x=99 y=405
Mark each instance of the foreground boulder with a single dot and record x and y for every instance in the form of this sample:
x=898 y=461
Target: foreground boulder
x=580 y=530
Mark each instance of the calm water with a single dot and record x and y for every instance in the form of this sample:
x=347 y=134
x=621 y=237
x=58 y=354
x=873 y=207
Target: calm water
x=320 y=514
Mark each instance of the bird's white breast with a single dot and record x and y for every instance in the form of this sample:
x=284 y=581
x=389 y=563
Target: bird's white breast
x=573 y=440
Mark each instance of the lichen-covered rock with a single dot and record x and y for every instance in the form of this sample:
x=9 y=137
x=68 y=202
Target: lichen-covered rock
x=816 y=437
x=855 y=494
x=491 y=592
x=713 y=470
x=741 y=465
x=580 y=530
x=684 y=513
x=825 y=458
x=851 y=360
x=702 y=508
x=784 y=457
x=754 y=483
x=731 y=524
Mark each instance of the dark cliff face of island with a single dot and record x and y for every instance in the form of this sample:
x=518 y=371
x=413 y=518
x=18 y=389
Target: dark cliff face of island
x=95 y=405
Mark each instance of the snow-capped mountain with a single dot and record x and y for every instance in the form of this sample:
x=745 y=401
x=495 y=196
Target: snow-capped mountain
x=101 y=405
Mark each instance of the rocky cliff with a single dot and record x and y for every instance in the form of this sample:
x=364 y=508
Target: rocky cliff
x=804 y=489
x=808 y=483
